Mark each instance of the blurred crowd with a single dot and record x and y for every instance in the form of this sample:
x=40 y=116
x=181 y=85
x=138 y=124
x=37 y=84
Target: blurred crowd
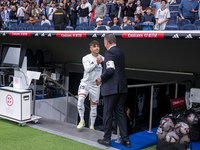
x=101 y=14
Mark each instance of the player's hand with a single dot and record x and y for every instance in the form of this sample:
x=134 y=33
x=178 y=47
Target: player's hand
x=98 y=81
x=99 y=60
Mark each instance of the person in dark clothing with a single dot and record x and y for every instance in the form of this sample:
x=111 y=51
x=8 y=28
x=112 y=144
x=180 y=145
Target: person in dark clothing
x=145 y=4
x=115 y=22
x=60 y=18
x=114 y=90
x=65 y=6
x=129 y=121
x=13 y=13
x=114 y=8
x=121 y=8
x=148 y=17
x=137 y=22
x=73 y=13
x=130 y=8
x=1 y=23
x=44 y=10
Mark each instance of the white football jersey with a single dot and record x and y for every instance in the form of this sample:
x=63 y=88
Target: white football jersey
x=91 y=69
x=162 y=14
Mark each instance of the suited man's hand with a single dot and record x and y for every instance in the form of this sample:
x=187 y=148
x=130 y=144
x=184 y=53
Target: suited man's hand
x=98 y=81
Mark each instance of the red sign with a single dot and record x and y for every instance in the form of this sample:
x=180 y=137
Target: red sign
x=9 y=100
x=71 y=35
x=143 y=35
x=20 y=34
x=179 y=102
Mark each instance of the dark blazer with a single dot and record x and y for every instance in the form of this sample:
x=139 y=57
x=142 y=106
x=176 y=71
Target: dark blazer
x=114 y=79
x=73 y=13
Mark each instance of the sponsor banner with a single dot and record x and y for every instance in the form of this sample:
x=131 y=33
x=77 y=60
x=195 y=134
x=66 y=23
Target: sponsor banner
x=179 y=102
x=26 y=34
x=71 y=35
x=40 y=34
x=182 y=36
x=143 y=35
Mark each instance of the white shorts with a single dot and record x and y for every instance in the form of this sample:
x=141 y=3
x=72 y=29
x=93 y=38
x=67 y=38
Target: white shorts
x=94 y=92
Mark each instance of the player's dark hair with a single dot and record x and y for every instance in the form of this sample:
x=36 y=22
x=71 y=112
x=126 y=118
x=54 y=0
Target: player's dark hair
x=164 y=1
x=94 y=43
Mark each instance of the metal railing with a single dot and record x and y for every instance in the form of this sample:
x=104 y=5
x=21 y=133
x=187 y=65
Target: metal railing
x=152 y=85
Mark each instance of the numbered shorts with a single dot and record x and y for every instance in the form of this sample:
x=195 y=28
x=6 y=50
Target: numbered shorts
x=92 y=91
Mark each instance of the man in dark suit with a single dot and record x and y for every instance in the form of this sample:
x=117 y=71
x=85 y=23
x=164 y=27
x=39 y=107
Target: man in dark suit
x=113 y=90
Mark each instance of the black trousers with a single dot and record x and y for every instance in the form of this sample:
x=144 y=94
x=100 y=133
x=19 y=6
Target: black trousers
x=59 y=27
x=114 y=103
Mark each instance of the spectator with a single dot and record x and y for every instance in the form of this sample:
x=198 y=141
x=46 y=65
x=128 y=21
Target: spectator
x=44 y=10
x=45 y=20
x=130 y=8
x=32 y=20
x=99 y=24
x=100 y=9
x=162 y=16
x=73 y=13
x=13 y=13
x=66 y=6
x=145 y=4
x=27 y=11
x=52 y=10
x=20 y=14
x=33 y=11
x=121 y=8
x=148 y=18
x=5 y=16
x=137 y=22
x=187 y=9
x=84 y=8
x=157 y=5
x=38 y=11
x=126 y=22
x=60 y=18
x=114 y=8
x=129 y=121
x=1 y=22
x=115 y=22
x=139 y=8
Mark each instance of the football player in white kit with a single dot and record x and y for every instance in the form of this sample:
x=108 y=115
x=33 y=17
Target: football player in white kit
x=162 y=16
x=92 y=70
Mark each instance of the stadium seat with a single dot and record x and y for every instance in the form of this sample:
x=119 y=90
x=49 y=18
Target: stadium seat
x=52 y=24
x=120 y=20
x=181 y=23
x=171 y=27
x=131 y=19
x=21 y=28
x=36 y=25
x=89 y=28
x=45 y=26
x=13 y=28
x=115 y=28
x=84 y=24
x=69 y=24
x=128 y=28
x=93 y=22
x=105 y=22
x=77 y=22
x=38 y=28
x=189 y=27
x=29 y=26
x=171 y=22
x=51 y=28
x=101 y=28
x=107 y=19
x=197 y=23
x=79 y=28
x=21 y=25
x=69 y=28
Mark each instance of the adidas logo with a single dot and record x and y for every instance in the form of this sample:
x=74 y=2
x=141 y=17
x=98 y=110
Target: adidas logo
x=42 y=34
x=4 y=34
x=94 y=35
x=49 y=35
x=103 y=35
x=189 y=36
x=175 y=36
x=36 y=34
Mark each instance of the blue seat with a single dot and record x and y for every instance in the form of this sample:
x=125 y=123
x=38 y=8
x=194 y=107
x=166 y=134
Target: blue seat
x=89 y=28
x=37 y=25
x=107 y=19
x=181 y=23
x=69 y=28
x=84 y=24
x=128 y=28
x=51 y=28
x=93 y=22
x=79 y=28
x=30 y=28
x=12 y=28
x=21 y=25
x=197 y=23
x=101 y=28
x=38 y=28
x=105 y=22
x=171 y=22
x=115 y=28
x=45 y=26
x=52 y=24
x=77 y=22
x=189 y=27
x=21 y=28
x=131 y=19
x=171 y=27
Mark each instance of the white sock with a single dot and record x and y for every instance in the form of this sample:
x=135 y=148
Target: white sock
x=81 y=106
x=93 y=114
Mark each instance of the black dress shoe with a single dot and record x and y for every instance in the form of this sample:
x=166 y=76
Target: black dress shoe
x=103 y=142
x=126 y=143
